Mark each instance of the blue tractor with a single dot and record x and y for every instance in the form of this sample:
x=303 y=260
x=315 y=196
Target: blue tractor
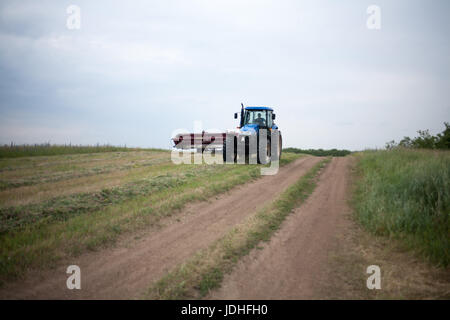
x=257 y=137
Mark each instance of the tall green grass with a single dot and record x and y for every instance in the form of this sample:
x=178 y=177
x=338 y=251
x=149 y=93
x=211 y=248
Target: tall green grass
x=406 y=194
x=46 y=149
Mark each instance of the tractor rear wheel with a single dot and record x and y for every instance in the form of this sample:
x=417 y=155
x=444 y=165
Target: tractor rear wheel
x=224 y=151
x=280 y=147
x=266 y=158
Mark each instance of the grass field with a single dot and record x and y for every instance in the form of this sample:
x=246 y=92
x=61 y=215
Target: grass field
x=57 y=206
x=47 y=149
x=405 y=194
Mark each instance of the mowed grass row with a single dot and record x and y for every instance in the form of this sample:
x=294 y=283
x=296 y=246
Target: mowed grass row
x=39 y=234
x=16 y=173
x=137 y=183
x=405 y=194
x=47 y=149
x=46 y=190
x=15 y=218
x=58 y=162
x=205 y=271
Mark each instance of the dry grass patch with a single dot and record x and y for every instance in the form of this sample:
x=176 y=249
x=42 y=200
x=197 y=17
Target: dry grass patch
x=404 y=275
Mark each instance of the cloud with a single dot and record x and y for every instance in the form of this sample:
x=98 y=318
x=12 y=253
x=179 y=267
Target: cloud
x=136 y=71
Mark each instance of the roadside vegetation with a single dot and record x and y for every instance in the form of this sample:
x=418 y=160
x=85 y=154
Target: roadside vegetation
x=320 y=152
x=57 y=207
x=404 y=193
x=205 y=271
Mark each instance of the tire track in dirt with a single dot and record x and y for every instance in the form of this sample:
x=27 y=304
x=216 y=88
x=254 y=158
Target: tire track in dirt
x=125 y=272
x=293 y=264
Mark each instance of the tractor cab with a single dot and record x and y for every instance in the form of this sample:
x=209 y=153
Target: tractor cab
x=254 y=118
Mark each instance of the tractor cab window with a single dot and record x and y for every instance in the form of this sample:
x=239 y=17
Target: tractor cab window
x=258 y=117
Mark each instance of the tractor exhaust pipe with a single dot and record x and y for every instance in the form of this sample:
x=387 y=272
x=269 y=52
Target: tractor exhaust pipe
x=242 y=116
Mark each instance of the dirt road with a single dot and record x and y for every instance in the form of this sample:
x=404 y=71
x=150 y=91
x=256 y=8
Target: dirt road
x=293 y=264
x=127 y=270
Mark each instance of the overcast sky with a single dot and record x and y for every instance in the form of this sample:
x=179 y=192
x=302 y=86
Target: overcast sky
x=137 y=70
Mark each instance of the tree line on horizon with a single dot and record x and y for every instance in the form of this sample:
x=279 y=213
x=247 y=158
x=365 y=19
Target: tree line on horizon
x=320 y=152
x=425 y=140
